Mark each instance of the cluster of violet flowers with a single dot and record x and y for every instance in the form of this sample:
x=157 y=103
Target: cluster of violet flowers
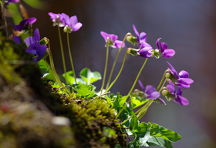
x=171 y=85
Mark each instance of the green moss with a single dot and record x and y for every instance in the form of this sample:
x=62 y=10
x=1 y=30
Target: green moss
x=93 y=121
x=89 y=118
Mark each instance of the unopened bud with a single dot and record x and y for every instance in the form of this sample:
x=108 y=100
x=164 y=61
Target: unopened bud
x=132 y=51
x=131 y=39
x=156 y=53
x=44 y=41
x=168 y=75
x=67 y=29
x=165 y=92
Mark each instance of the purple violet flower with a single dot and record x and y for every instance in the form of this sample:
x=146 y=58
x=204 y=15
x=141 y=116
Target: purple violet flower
x=141 y=37
x=11 y=1
x=149 y=91
x=111 y=40
x=57 y=19
x=182 y=78
x=145 y=49
x=17 y=39
x=145 y=52
x=24 y=24
x=34 y=46
x=164 y=50
x=71 y=24
x=177 y=94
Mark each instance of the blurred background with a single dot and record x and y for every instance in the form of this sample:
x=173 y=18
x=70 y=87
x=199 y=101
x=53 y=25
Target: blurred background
x=188 y=26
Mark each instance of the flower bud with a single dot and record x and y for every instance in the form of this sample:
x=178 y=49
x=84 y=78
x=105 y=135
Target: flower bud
x=44 y=41
x=132 y=51
x=132 y=39
x=165 y=92
x=156 y=53
x=168 y=75
x=67 y=29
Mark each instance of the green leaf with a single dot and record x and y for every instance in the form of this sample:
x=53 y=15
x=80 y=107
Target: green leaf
x=162 y=132
x=68 y=76
x=155 y=141
x=86 y=91
x=46 y=70
x=89 y=77
x=122 y=101
x=150 y=134
x=14 y=11
x=34 y=3
x=137 y=101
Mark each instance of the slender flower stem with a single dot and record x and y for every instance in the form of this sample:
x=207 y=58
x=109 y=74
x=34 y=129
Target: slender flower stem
x=115 y=61
x=134 y=84
x=62 y=50
x=119 y=73
x=4 y=19
x=141 y=112
x=137 y=77
x=52 y=64
x=161 y=81
x=145 y=108
x=71 y=57
x=105 y=68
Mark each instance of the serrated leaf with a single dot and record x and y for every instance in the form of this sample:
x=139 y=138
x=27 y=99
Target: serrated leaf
x=90 y=77
x=162 y=132
x=151 y=134
x=155 y=141
x=143 y=140
x=15 y=14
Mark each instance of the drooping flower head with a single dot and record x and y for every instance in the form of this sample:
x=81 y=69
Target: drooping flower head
x=163 y=49
x=149 y=91
x=71 y=24
x=145 y=49
x=25 y=24
x=176 y=94
x=181 y=79
x=112 y=40
x=34 y=46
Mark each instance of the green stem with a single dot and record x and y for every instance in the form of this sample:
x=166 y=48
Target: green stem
x=62 y=50
x=119 y=73
x=4 y=19
x=141 y=112
x=137 y=77
x=105 y=68
x=115 y=62
x=134 y=84
x=161 y=81
x=144 y=109
x=70 y=56
x=52 y=64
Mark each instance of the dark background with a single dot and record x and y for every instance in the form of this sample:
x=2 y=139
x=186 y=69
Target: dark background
x=188 y=26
